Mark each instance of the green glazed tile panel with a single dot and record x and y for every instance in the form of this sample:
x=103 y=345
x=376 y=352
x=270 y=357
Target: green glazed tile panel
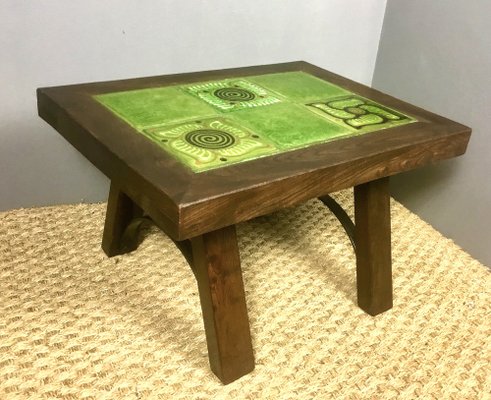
x=289 y=125
x=210 y=143
x=299 y=87
x=232 y=94
x=147 y=107
x=359 y=113
x=212 y=124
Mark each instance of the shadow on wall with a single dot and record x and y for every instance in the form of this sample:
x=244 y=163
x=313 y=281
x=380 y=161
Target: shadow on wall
x=413 y=186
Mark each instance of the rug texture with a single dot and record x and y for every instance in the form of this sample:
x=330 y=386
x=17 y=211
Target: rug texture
x=75 y=324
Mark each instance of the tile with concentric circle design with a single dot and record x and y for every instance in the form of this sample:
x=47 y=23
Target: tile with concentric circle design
x=210 y=143
x=232 y=94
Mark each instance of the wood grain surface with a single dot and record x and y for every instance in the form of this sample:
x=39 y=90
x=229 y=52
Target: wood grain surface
x=373 y=247
x=188 y=204
x=221 y=290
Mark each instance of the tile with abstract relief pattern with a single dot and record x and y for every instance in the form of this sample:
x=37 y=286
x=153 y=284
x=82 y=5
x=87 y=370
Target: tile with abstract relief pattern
x=232 y=94
x=210 y=143
x=359 y=113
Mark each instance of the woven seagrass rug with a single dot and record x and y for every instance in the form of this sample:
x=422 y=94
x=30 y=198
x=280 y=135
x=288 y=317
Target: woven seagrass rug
x=75 y=324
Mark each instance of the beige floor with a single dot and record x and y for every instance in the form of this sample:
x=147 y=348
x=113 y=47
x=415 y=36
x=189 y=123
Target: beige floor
x=75 y=324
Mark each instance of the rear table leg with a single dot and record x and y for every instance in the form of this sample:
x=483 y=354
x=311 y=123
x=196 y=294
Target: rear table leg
x=122 y=223
x=217 y=269
x=373 y=248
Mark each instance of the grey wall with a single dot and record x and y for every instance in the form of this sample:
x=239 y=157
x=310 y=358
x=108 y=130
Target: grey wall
x=56 y=42
x=437 y=54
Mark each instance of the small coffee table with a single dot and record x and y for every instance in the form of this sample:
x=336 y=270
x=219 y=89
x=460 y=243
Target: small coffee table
x=197 y=153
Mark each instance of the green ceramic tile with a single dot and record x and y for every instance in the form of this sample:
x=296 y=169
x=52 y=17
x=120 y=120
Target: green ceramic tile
x=359 y=113
x=156 y=106
x=232 y=94
x=212 y=124
x=210 y=143
x=298 y=86
x=290 y=125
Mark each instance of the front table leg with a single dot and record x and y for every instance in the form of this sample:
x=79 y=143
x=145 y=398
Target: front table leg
x=119 y=237
x=217 y=268
x=373 y=248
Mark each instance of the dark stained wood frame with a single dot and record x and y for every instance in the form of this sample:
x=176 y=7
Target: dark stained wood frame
x=221 y=290
x=199 y=211
x=186 y=204
x=373 y=247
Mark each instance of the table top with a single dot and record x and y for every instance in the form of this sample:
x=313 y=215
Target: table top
x=216 y=123
x=208 y=149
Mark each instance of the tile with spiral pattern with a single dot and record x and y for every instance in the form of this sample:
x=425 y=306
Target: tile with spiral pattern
x=232 y=94
x=210 y=143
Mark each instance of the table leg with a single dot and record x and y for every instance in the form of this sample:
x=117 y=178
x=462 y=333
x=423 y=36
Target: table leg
x=120 y=230
x=373 y=248
x=217 y=268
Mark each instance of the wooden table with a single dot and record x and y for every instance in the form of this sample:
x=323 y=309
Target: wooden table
x=197 y=153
